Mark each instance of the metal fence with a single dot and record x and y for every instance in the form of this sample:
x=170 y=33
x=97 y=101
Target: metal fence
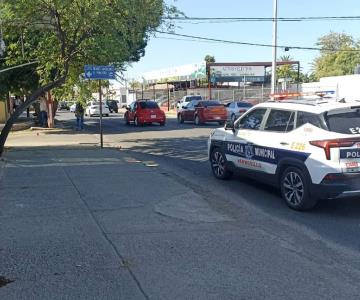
x=254 y=94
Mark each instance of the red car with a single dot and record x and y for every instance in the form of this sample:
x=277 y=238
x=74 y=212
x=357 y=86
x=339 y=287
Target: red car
x=144 y=112
x=203 y=111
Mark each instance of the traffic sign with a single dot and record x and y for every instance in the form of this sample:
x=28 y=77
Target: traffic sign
x=99 y=72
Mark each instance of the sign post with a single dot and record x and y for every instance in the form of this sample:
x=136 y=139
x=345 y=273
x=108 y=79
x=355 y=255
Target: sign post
x=98 y=73
x=100 y=119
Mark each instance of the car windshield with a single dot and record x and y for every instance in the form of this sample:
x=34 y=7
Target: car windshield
x=210 y=103
x=148 y=104
x=347 y=122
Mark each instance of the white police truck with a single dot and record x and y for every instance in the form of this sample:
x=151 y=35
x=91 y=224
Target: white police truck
x=309 y=148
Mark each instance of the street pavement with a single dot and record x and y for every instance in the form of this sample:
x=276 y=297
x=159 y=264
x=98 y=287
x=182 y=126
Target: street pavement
x=145 y=219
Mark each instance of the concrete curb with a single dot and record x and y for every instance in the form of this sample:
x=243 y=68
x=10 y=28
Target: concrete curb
x=34 y=128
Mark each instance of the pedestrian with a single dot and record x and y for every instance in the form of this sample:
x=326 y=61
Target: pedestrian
x=12 y=104
x=79 y=113
x=43 y=111
x=17 y=101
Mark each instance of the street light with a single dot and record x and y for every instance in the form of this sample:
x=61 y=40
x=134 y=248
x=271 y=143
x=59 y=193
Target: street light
x=274 y=45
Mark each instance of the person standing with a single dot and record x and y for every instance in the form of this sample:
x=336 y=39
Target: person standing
x=79 y=113
x=43 y=112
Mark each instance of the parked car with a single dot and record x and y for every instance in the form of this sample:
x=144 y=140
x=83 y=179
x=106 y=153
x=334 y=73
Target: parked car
x=73 y=107
x=113 y=106
x=309 y=149
x=93 y=109
x=203 y=111
x=63 y=105
x=186 y=99
x=236 y=109
x=144 y=112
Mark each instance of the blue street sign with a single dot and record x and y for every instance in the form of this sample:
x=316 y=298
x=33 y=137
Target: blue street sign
x=99 y=72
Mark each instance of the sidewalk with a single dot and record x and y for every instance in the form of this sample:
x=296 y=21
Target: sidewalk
x=75 y=224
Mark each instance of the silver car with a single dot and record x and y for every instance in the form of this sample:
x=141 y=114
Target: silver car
x=236 y=109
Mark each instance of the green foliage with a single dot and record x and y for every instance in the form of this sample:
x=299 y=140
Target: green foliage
x=209 y=59
x=333 y=60
x=19 y=81
x=134 y=84
x=64 y=35
x=287 y=71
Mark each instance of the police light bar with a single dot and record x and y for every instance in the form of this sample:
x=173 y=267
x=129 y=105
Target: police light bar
x=284 y=96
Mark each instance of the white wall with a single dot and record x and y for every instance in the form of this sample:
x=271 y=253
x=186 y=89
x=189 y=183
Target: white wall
x=347 y=86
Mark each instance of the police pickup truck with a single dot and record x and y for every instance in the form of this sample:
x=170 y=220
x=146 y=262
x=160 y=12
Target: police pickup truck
x=310 y=149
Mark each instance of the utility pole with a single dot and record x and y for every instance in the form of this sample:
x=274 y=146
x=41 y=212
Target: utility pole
x=274 y=47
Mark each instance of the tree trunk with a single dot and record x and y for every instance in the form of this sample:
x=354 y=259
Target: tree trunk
x=19 y=110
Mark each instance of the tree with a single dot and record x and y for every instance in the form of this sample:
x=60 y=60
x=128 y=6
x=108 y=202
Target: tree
x=209 y=59
x=63 y=36
x=339 y=55
x=287 y=71
x=135 y=84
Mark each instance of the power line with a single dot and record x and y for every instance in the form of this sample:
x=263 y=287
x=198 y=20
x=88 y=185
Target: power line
x=261 y=19
x=186 y=40
x=254 y=44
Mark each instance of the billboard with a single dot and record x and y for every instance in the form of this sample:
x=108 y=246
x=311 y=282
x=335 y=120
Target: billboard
x=237 y=73
x=180 y=73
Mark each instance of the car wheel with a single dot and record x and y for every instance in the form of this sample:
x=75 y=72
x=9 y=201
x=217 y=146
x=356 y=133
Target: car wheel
x=162 y=123
x=126 y=120
x=136 y=122
x=180 y=119
x=197 y=120
x=233 y=118
x=294 y=187
x=218 y=164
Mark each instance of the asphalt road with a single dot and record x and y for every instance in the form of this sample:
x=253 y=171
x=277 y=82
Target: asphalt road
x=181 y=150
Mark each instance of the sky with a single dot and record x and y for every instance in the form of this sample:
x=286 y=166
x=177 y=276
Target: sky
x=162 y=52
